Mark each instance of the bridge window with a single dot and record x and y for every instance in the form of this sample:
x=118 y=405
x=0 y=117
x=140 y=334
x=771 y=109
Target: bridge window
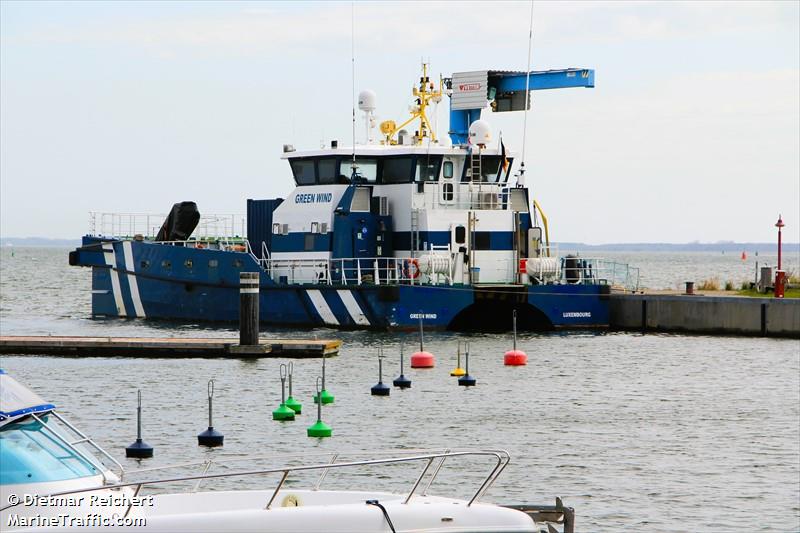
x=367 y=169
x=327 y=170
x=397 y=169
x=492 y=170
x=303 y=170
x=428 y=168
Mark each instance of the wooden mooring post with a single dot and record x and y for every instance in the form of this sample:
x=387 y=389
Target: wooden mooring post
x=248 y=308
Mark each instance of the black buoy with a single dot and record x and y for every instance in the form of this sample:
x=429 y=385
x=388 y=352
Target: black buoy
x=401 y=381
x=466 y=380
x=139 y=449
x=210 y=437
x=380 y=389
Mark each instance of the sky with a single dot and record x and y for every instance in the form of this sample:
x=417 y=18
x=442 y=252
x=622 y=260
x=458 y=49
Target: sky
x=692 y=132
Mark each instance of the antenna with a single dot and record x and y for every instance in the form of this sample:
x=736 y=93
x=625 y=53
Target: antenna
x=353 y=74
x=521 y=177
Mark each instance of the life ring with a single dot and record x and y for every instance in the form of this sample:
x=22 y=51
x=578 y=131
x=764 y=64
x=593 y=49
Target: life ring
x=411 y=268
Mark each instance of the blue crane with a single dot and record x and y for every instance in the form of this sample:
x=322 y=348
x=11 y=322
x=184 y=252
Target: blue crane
x=502 y=90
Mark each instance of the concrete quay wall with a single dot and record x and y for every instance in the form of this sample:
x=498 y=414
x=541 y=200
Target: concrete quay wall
x=737 y=315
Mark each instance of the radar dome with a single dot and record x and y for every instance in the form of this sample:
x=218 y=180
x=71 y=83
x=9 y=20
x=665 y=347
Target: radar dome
x=366 y=100
x=480 y=132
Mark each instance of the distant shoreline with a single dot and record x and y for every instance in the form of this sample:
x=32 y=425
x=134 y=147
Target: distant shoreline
x=564 y=247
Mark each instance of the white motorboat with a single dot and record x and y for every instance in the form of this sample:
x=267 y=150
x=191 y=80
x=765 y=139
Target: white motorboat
x=55 y=478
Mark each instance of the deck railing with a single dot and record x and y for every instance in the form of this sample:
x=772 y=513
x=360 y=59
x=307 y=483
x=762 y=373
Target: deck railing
x=501 y=458
x=128 y=225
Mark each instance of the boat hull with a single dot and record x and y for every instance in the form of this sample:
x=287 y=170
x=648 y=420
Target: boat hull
x=137 y=279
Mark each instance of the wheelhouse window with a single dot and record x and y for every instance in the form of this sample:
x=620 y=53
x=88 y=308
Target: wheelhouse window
x=366 y=169
x=304 y=171
x=397 y=169
x=492 y=170
x=428 y=168
x=327 y=170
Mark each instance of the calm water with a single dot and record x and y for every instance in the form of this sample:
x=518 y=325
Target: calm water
x=645 y=432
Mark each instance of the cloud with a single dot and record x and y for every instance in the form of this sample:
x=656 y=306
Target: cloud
x=276 y=29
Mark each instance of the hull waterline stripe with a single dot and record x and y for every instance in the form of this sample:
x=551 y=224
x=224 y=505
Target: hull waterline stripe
x=127 y=250
x=322 y=307
x=111 y=261
x=353 y=308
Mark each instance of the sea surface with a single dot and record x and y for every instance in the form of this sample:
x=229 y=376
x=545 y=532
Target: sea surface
x=639 y=432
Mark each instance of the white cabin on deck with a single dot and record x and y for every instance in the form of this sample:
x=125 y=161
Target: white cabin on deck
x=449 y=208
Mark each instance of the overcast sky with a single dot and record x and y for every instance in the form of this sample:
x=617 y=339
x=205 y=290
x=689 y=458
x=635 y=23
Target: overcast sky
x=691 y=133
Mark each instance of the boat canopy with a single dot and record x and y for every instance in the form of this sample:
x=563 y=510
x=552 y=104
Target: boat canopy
x=16 y=400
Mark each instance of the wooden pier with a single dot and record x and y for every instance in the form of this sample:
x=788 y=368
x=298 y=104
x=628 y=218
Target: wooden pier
x=165 y=347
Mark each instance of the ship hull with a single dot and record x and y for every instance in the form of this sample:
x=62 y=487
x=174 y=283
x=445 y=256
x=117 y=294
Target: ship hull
x=137 y=279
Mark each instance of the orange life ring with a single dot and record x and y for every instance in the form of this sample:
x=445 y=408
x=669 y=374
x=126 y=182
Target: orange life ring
x=407 y=268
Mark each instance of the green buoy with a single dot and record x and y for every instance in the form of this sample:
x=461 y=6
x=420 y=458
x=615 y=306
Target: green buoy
x=326 y=396
x=291 y=403
x=320 y=429
x=283 y=413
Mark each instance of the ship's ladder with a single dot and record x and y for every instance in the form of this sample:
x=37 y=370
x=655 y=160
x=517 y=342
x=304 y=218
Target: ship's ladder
x=475 y=166
x=414 y=231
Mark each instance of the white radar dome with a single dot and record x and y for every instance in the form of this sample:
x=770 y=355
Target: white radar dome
x=480 y=132
x=366 y=100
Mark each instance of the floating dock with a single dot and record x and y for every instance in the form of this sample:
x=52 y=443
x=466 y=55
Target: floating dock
x=165 y=347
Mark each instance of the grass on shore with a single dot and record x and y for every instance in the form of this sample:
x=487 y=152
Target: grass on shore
x=790 y=293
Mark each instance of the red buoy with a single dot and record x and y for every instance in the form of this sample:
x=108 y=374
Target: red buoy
x=422 y=360
x=515 y=358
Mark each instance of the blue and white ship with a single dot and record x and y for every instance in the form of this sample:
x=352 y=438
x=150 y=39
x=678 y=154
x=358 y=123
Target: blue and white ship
x=377 y=235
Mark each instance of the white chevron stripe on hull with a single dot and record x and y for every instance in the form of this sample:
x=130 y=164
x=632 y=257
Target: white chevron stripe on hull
x=127 y=249
x=111 y=260
x=356 y=313
x=322 y=307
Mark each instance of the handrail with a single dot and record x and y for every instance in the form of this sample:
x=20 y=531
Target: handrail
x=91 y=442
x=501 y=457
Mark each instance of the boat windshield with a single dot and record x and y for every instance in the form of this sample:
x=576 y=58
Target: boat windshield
x=29 y=453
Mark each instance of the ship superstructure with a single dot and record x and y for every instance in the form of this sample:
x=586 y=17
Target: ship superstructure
x=378 y=234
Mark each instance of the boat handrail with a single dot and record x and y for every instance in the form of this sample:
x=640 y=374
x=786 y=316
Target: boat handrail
x=502 y=459
x=363 y=270
x=127 y=225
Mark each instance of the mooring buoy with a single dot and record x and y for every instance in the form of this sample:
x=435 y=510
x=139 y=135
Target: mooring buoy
x=139 y=449
x=380 y=389
x=319 y=429
x=422 y=359
x=326 y=396
x=515 y=357
x=291 y=403
x=458 y=371
x=466 y=380
x=283 y=413
x=401 y=381
x=210 y=437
